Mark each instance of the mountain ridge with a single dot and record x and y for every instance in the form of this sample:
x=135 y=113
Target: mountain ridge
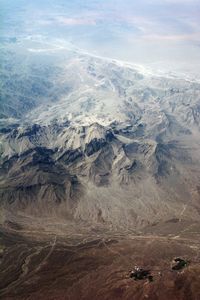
x=119 y=147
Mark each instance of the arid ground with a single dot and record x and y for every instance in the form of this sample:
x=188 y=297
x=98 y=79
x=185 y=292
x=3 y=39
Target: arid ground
x=59 y=263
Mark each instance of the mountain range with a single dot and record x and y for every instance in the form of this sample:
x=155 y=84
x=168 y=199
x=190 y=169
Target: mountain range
x=100 y=141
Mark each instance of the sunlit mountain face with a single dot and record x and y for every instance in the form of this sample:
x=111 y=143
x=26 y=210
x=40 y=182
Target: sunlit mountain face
x=99 y=150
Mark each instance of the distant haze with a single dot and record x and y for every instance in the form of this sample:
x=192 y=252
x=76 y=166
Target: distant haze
x=162 y=34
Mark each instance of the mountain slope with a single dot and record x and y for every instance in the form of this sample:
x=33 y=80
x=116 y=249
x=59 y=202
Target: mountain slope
x=116 y=146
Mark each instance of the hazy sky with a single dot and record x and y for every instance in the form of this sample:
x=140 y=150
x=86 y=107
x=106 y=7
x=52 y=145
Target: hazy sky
x=138 y=30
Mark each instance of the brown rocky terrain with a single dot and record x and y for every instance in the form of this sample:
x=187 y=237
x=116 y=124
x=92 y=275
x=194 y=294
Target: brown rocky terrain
x=42 y=263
